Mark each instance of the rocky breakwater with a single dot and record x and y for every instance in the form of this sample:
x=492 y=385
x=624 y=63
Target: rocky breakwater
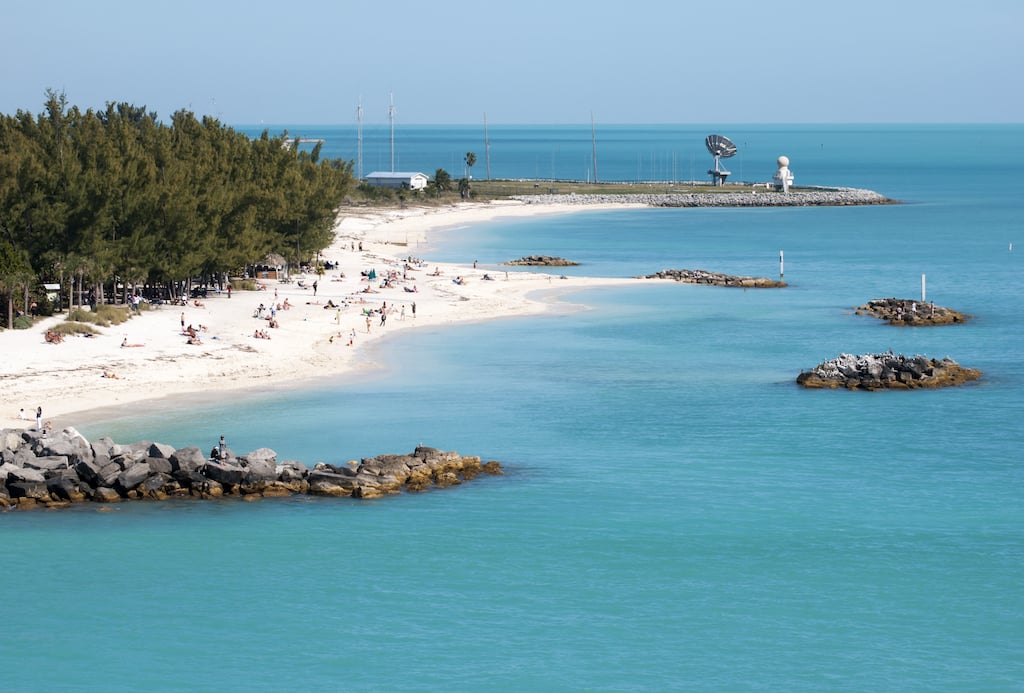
x=716 y=279
x=58 y=468
x=542 y=261
x=910 y=313
x=825 y=197
x=886 y=371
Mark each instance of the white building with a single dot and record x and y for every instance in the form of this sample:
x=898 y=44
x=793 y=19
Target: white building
x=399 y=180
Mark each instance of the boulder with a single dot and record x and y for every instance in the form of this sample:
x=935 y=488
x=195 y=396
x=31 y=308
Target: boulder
x=323 y=483
x=10 y=440
x=260 y=465
x=160 y=451
x=35 y=490
x=224 y=472
x=132 y=476
x=188 y=459
x=25 y=474
x=106 y=495
x=49 y=463
x=160 y=465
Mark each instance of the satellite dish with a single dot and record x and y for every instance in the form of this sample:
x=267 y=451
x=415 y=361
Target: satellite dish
x=720 y=147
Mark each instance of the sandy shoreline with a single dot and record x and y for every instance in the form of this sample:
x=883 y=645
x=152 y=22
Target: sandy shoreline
x=312 y=340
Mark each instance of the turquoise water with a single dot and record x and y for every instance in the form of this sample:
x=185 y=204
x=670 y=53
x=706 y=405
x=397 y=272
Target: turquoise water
x=677 y=514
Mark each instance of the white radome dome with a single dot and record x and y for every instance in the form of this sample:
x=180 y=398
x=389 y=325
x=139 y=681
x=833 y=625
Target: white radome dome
x=783 y=161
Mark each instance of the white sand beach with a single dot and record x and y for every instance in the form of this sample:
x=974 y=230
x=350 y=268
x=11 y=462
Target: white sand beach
x=312 y=339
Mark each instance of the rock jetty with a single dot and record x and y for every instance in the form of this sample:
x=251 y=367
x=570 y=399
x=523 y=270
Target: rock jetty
x=825 y=197
x=58 y=468
x=542 y=261
x=910 y=313
x=697 y=276
x=886 y=371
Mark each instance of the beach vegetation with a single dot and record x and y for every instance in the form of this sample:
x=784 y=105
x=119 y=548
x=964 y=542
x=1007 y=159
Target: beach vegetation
x=102 y=314
x=470 y=162
x=111 y=202
x=442 y=181
x=73 y=328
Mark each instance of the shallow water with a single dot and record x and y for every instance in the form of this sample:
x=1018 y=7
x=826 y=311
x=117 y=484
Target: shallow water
x=676 y=512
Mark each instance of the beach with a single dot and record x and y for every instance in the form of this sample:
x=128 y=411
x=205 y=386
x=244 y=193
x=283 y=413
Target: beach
x=319 y=333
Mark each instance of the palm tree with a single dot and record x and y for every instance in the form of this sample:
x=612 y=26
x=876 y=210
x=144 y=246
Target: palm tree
x=470 y=160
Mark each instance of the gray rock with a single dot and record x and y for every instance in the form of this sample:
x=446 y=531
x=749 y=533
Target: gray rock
x=52 y=462
x=133 y=476
x=159 y=465
x=108 y=474
x=224 y=472
x=160 y=451
x=25 y=474
x=188 y=459
x=28 y=489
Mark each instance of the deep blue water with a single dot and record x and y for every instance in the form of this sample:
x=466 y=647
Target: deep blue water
x=677 y=514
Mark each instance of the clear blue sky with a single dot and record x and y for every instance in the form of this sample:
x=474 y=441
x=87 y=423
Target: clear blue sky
x=526 y=61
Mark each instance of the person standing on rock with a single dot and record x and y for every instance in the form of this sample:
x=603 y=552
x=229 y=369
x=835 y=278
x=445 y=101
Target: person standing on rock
x=39 y=418
x=221 y=449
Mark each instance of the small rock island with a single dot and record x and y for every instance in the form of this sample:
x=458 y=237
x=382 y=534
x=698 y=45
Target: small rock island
x=910 y=313
x=54 y=469
x=886 y=371
x=542 y=261
x=697 y=276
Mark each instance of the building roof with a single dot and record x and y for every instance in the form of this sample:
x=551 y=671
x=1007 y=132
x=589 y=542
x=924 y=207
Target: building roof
x=395 y=174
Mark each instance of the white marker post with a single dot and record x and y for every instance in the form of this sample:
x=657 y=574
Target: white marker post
x=782 y=265
x=923 y=292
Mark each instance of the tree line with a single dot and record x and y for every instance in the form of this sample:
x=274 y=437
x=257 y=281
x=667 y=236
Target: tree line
x=106 y=201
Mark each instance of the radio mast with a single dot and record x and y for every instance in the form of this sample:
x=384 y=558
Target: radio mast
x=487 y=147
x=359 y=139
x=391 y=117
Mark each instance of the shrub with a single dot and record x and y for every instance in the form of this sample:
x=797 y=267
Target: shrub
x=243 y=285
x=71 y=328
x=104 y=315
x=22 y=322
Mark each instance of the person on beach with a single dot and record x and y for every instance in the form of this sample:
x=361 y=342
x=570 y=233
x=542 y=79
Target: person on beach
x=314 y=287
x=383 y=317
x=414 y=309
x=39 y=418
x=183 y=322
x=367 y=324
x=22 y=415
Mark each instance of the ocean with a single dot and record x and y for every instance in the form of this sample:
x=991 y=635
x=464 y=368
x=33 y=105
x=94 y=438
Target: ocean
x=676 y=513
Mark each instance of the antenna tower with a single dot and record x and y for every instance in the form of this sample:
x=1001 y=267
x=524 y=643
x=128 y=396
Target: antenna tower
x=593 y=143
x=391 y=117
x=359 y=139
x=487 y=148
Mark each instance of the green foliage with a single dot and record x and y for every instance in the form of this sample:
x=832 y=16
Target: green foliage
x=97 y=195
x=442 y=180
x=22 y=322
x=244 y=285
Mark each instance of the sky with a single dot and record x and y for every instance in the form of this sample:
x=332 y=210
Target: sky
x=523 y=62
